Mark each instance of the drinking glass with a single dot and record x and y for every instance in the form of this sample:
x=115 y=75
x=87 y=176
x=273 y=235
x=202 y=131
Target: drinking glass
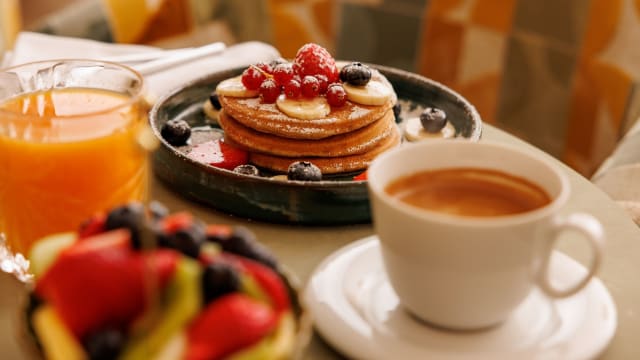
x=69 y=147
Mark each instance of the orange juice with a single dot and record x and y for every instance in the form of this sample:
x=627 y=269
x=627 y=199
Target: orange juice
x=64 y=155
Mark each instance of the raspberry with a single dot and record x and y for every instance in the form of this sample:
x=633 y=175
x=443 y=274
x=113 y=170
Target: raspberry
x=292 y=89
x=310 y=86
x=269 y=91
x=252 y=77
x=283 y=73
x=336 y=96
x=313 y=59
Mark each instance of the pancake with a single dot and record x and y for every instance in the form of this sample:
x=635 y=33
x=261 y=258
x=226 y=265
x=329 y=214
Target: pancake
x=355 y=142
x=267 y=118
x=328 y=165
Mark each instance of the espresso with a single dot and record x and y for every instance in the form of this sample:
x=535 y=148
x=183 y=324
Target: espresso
x=469 y=192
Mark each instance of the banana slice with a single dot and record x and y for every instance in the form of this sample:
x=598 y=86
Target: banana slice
x=373 y=93
x=306 y=109
x=233 y=87
x=211 y=112
x=413 y=131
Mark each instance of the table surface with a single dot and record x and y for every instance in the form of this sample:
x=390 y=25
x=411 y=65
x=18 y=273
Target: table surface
x=302 y=248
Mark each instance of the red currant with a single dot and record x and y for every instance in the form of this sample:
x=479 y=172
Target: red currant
x=283 y=73
x=292 y=89
x=336 y=96
x=252 y=77
x=310 y=86
x=269 y=91
x=324 y=83
x=265 y=67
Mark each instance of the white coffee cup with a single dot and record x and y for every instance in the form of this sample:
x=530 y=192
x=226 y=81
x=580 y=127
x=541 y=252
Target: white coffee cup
x=471 y=272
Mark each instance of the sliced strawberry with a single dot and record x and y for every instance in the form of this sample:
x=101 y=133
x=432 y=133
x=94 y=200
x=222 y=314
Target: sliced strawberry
x=219 y=154
x=228 y=324
x=174 y=222
x=106 y=241
x=360 y=177
x=268 y=280
x=100 y=282
x=216 y=230
x=92 y=226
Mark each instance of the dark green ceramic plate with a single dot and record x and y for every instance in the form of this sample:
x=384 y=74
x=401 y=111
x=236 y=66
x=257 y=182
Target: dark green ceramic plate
x=332 y=201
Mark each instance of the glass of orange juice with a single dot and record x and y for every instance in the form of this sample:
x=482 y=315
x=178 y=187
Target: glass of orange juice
x=68 y=145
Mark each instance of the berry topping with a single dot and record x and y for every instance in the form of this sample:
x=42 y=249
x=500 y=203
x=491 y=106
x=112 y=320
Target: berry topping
x=313 y=59
x=93 y=225
x=130 y=216
x=215 y=101
x=252 y=77
x=176 y=132
x=310 y=86
x=292 y=89
x=218 y=279
x=104 y=345
x=355 y=74
x=336 y=95
x=247 y=169
x=283 y=73
x=304 y=171
x=433 y=119
x=269 y=91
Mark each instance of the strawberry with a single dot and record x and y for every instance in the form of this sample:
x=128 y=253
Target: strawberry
x=313 y=59
x=228 y=324
x=93 y=225
x=360 y=177
x=100 y=282
x=219 y=154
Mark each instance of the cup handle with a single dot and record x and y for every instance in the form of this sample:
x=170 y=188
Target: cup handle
x=592 y=231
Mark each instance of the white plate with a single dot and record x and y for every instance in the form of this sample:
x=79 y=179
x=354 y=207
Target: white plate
x=358 y=313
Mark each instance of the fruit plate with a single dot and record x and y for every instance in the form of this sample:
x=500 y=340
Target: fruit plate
x=332 y=201
x=19 y=340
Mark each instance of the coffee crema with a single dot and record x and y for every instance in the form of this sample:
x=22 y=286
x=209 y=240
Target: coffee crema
x=470 y=192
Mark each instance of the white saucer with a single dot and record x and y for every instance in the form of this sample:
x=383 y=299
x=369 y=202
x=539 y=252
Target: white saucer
x=357 y=312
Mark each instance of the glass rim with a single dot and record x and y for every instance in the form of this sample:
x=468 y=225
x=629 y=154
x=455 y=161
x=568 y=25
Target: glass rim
x=134 y=98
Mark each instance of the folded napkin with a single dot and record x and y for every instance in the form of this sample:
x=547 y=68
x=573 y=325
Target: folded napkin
x=619 y=175
x=31 y=46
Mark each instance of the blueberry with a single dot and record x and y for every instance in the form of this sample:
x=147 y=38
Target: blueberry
x=304 y=170
x=176 y=132
x=243 y=242
x=247 y=169
x=397 y=110
x=157 y=210
x=218 y=279
x=433 y=119
x=104 y=345
x=130 y=216
x=187 y=240
x=215 y=101
x=355 y=74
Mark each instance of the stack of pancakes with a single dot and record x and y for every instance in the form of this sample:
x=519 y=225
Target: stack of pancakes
x=345 y=140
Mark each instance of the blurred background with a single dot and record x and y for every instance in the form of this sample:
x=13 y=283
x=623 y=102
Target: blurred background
x=562 y=75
